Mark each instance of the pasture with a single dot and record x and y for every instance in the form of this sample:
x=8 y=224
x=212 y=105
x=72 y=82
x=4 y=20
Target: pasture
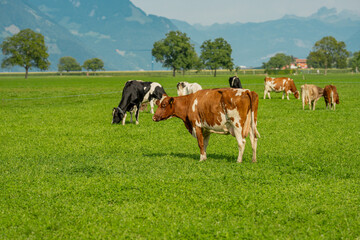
x=67 y=173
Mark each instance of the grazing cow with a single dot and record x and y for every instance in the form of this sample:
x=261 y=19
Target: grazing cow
x=235 y=82
x=134 y=94
x=283 y=84
x=310 y=95
x=222 y=111
x=185 y=88
x=331 y=96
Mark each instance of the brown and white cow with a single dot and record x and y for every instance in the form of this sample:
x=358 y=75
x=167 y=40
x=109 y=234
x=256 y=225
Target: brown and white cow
x=222 y=111
x=310 y=95
x=283 y=84
x=331 y=96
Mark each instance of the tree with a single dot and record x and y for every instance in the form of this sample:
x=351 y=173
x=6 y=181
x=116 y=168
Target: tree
x=175 y=51
x=25 y=49
x=328 y=52
x=216 y=54
x=278 y=61
x=93 y=64
x=68 y=64
x=354 y=62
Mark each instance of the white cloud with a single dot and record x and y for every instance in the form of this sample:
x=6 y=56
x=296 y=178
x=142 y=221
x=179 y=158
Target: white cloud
x=75 y=3
x=92 y=13
x=301 y=43
x=269 y=55
x=122 y=53
x=12 y=29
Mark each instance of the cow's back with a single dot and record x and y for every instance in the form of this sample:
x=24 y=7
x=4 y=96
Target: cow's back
x=216 y=107
x=205 y=105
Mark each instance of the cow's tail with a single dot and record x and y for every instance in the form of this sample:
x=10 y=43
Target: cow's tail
x=254 y=102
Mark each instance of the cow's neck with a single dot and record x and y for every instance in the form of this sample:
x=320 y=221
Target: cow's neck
x=181 y=105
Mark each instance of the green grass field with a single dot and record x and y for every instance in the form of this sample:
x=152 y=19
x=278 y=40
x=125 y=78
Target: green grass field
x=67 y=173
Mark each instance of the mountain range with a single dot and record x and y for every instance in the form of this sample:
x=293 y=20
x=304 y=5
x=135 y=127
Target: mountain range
x=122 y=35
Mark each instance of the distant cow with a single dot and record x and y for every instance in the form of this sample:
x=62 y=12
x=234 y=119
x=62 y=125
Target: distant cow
x=185 y=88
x=283 y=84
x=235 y=82
x=223 y=111
x=134 y=94
x=331 y=96
x=310 y=94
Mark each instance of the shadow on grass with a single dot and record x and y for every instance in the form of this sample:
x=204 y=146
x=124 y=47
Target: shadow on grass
x=195 y=157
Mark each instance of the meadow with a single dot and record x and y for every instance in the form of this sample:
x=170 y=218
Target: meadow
x=67 y=173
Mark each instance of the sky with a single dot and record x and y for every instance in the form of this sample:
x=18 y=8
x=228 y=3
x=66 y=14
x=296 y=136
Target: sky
x=208 y=12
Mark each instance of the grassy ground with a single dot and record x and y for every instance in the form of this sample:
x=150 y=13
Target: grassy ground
x=67 y=173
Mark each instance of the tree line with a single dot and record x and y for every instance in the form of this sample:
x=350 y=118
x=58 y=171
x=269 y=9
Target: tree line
x=27 y=49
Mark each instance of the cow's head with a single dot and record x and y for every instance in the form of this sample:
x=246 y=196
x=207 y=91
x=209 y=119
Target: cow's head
x=180 y=88
x=165 y=108
x=118 y=115
x=337 y=99
x=297 y=95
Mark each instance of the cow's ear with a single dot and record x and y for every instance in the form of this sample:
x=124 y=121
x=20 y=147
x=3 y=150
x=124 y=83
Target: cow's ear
x=171 y=100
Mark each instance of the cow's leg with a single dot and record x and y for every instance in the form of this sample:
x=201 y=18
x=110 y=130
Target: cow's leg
x=269 y=94
x=206 y=140
x=152 y=106
x=283 y=95
x=253 y=140
x=265 y=92
x=137 y=114
x=314 y=104
x=303 y=101
x=241 y=143
x=131 y=116
x=200 y=139
x=287 y=96
x=124 y=118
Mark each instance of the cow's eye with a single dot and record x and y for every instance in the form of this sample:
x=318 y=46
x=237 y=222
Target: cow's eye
x=163 y=106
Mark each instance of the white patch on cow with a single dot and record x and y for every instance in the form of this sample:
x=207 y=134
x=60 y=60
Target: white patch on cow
x=239 y=92
x=221 y=128
x=162 y=99
x=193 y=132
x=194 y=105
x=152 y=89
x=203 y=157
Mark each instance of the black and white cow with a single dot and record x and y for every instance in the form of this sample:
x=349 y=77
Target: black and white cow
x=235 y=82
x=134 y=93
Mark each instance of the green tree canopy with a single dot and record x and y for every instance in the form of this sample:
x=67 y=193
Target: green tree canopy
x=327 y=53
x=68 y=64
x=278 y=61
x=93 y=64
x=25 y=49
x=354 y=62
x=175 y=51
x=216 y=54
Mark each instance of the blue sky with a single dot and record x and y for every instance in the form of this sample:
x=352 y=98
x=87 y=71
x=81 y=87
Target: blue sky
x=207 y=12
